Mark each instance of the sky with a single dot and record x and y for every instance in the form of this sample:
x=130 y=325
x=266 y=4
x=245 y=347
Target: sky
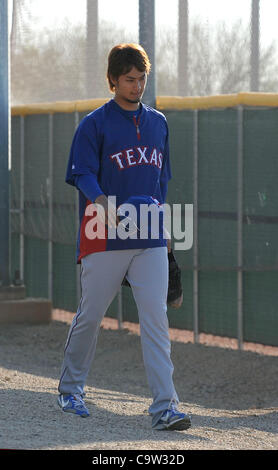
x=125 y=13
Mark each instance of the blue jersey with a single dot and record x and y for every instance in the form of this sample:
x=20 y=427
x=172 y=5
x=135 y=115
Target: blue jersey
x=123 y=154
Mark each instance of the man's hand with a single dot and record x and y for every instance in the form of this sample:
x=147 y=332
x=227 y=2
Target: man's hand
x=108 y=215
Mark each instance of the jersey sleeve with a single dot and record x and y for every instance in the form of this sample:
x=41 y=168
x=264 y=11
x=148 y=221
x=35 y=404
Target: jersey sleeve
x=89 y=186
x=84 y=158
x=166 y=174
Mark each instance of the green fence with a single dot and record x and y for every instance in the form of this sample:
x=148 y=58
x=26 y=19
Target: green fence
x=224 y=162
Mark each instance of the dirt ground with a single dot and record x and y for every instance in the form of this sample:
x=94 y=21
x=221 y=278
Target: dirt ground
x=231 y=395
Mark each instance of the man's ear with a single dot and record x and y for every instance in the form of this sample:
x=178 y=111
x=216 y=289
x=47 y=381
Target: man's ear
x=113 y=81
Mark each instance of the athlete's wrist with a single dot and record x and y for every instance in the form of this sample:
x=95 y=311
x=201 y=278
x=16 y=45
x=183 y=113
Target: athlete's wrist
x=101 y=199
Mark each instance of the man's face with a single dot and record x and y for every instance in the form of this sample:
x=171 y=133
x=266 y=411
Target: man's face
x=129 y=88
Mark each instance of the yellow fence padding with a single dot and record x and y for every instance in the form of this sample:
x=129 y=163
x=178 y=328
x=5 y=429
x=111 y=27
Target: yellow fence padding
x=162 y=103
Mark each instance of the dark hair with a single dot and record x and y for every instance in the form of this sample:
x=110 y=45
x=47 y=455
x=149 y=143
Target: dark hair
x=123 y=57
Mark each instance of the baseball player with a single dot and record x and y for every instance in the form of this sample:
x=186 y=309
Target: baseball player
x=120 y=151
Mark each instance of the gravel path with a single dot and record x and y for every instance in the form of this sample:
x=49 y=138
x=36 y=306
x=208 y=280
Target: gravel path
x=231 y=395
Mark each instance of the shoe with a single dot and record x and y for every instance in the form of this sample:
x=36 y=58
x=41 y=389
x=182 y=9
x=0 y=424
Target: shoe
x=172 y=419
x=73 y=404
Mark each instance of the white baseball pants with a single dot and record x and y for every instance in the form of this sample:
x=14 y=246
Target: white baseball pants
x=101 y=277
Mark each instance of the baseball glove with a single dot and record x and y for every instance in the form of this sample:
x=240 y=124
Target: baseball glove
x=175 y=293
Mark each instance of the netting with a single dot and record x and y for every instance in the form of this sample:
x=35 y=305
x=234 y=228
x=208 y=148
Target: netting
x=59 y=49
x=224 y=159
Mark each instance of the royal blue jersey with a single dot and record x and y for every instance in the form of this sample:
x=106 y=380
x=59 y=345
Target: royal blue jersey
x=123 y=154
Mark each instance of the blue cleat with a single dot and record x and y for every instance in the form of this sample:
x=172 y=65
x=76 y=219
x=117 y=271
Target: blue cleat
x=73 y=404
x=172 y=419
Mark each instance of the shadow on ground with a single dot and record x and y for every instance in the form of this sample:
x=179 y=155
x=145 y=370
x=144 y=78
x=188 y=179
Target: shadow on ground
x=206 y=378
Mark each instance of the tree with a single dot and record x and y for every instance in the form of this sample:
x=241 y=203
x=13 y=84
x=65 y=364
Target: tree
x=50 y=65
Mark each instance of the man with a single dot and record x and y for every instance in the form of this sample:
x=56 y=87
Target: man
x=121 y=151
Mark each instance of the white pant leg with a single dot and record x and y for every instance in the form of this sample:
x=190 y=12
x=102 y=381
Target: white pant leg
x=148 y=277
x=101 y=277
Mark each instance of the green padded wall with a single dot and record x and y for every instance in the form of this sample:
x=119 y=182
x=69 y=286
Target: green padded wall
x=217 y=153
